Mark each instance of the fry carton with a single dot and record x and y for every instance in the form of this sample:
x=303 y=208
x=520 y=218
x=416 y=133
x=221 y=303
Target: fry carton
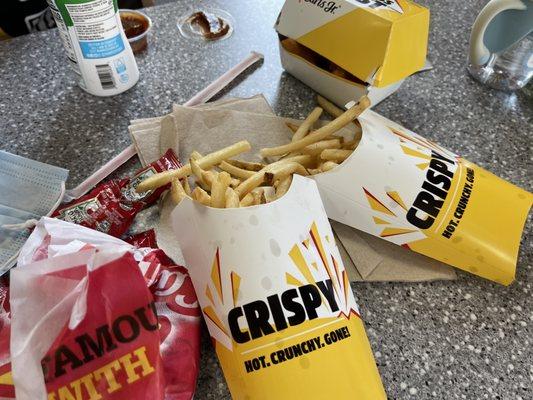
x=348 y=48
x=276 y=298
x=410 y=191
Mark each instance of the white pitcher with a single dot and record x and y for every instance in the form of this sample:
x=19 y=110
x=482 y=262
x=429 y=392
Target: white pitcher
x=501 y=44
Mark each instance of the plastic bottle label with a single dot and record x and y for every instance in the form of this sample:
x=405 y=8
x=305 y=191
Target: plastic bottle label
x=96 y=45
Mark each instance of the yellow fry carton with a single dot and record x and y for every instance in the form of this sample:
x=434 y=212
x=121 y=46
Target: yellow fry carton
x=277 y=300
x=408 y=190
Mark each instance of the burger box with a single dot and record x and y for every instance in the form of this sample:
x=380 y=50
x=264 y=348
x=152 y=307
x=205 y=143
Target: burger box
x=378 y=44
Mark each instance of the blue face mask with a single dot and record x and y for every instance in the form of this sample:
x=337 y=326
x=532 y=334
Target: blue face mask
x=28 y=190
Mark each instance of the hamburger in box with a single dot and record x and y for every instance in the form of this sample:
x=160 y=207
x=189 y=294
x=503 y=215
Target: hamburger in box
x=349 y=48
x=276 y=298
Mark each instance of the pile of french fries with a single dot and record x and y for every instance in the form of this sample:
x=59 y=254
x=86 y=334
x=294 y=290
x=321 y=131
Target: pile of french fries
x=224 y=182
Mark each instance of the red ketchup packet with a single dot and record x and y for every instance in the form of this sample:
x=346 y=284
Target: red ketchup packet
x=167 y=162
x=101 y=209
x=111 y=206
x=143 y=239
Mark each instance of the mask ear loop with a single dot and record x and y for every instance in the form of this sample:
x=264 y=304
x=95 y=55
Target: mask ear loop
x=30 y=223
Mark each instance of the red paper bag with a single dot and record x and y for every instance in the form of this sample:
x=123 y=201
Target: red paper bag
x=93 y=317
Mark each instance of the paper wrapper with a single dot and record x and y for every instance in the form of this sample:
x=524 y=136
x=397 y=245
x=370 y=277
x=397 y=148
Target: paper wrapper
x=276 y=298
x=369 y=258
x=420 y=196
x=71 y=287
x=208 y=127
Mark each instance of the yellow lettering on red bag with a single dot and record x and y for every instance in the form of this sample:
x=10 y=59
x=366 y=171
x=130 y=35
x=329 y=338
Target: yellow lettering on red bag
x=142 y=362
x=107 y=372
x=90 y=389
x=77 y=386
x=136 y=365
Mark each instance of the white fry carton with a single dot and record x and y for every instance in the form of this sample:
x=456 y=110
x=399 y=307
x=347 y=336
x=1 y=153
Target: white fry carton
x=276 y=298
x=410 y=191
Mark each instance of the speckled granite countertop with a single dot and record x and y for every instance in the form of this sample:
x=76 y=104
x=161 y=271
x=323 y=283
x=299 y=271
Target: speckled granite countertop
x=467 y=339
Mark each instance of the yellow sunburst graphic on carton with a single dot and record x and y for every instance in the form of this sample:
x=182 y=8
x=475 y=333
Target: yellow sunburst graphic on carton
x=393 y=219
x=313 y=261
x=415 y=153
x=405 y=137
x=217 y=283
x=379 y=206
x=314 y=258
x=395 y=196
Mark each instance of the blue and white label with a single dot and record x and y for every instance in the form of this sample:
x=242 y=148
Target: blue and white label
x=99 y=46
x=120 y=66
x=102 y=48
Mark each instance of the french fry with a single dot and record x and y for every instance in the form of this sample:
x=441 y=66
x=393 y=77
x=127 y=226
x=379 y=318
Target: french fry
x=292 y=127
x=251 y=183
x=206 y=161
x=247 y=200
x=198 y=172
x=351 y=144
x=195 y=155
x=304 y=128
x=303 y=159
x=218 y=190
x=358 y=134
x=263 y=194
x=281 y=171
x=328 y=166
x=283 y=186
x=177 y=193
x=316 y=148
x=321 y=133
x=329 y=107
x=250 y=166
x=269 y=173
x=269 y=194
x=235 y=171
x=201 y=196
x=257 y=195
x=186 y=186
x=234 y=183
x=232 y=200
x=336 y=155
x=335 y=112
x=314 y=171
x=209 y=178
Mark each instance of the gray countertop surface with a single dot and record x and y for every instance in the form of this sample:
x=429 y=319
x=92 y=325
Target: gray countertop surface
x=465 y=339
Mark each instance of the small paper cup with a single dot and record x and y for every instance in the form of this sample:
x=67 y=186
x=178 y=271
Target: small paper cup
x=140 y=42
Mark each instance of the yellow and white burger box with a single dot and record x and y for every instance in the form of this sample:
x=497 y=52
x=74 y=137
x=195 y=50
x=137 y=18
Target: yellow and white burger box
x=277 y=300
x=379 y=43
x=410 y=191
